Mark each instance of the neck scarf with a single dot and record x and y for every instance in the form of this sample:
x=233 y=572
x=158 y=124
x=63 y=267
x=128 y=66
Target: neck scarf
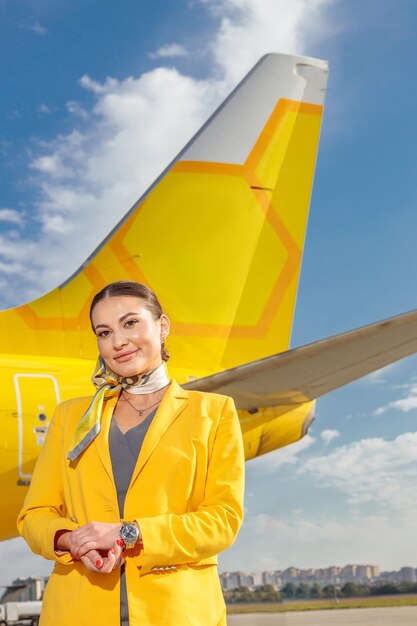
x=109 y=384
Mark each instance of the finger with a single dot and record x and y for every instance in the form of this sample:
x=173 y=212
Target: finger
x=119 y=551
x=122 y=559
x=82 y=549
x=108 y=562
x=95 y=557
x=88 y=564
x=83 y=543
x=97 y=561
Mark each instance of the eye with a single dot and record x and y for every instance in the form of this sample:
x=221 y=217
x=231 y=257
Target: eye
x=130 y=323
x=103 y=333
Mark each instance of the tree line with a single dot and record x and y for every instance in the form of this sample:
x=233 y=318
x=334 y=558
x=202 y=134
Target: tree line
x=304 y=591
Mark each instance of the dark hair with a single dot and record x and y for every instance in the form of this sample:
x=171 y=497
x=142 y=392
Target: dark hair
x=135 y=290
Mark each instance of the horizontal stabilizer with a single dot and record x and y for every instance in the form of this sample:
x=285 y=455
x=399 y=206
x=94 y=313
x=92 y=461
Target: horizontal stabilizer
x=297 y=376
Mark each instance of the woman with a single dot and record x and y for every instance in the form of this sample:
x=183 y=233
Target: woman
x=135 y=522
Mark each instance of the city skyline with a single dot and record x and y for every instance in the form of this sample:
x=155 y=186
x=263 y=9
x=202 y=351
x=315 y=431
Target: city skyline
x=327 y=568
x=333 y=575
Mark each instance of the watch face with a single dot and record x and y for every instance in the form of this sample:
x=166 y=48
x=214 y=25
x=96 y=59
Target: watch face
x=129 y=533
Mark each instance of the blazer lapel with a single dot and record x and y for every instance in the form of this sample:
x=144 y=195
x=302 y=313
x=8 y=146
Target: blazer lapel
x=173 y=403
x=102 y=439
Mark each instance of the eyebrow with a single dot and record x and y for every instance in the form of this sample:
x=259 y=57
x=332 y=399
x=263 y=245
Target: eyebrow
x=122 y=319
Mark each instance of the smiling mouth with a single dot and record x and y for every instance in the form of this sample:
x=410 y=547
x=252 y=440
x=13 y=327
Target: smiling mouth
x=125 y=356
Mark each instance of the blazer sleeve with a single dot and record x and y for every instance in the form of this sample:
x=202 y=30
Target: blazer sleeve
x=183 y=538
x=43 y=512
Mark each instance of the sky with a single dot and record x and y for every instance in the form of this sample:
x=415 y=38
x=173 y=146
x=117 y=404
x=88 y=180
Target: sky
x=97 y=98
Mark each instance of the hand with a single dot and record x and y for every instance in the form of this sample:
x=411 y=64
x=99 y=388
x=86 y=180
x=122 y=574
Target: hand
x=93 y=536
x=102 y=562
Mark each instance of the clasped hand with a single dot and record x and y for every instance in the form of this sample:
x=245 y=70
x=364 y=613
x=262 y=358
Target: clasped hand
x=97 y=545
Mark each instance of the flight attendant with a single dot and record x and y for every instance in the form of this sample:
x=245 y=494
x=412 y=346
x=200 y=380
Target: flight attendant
x=137 y=489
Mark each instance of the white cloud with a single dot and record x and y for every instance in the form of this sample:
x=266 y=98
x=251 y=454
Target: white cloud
x=49 y=164
x=86 y=180
x=406 y=404
x=169 y=51
x=368 y=513
x=44 y=108
x=76 y=109
x=328 y=435
x=12 y=216
x=271 y=542
x=11 y=249
x=268 y=463
x=10 y=268
x=251 y=28
x=96 y=87
x=374 y=470
x=38 y=29
x=18 y=256
x=113 y=162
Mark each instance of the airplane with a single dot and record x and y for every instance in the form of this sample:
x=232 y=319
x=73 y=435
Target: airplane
x=219 y=237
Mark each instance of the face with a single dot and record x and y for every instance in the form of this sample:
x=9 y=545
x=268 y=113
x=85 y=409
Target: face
x=128 y=337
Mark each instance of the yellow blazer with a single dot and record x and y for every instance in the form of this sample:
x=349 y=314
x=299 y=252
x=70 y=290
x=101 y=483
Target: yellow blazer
x=186 y=494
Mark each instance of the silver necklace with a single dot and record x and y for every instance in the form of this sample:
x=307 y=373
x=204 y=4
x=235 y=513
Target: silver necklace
x=140 y=412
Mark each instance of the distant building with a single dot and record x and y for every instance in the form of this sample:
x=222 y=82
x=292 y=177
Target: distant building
x=272 y=578
x=327 y=575
x=408 y=575
x=306 y=575
x=268 y=578
x=333 y=574
x=229 y=581
x=24 y=590
x=389 y=576
x=247 y=580
x=278 y=578
x=290 y=575
x=233 y=580
x=363 y=573
x=348 y=573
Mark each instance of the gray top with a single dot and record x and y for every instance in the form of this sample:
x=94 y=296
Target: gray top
x=124 y=452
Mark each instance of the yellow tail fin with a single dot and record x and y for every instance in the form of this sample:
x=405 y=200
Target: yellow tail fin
x=219 y=237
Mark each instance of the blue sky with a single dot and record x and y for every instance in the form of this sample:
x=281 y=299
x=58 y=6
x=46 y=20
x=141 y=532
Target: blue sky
x=81 y=77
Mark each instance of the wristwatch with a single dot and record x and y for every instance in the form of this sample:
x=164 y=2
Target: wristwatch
x=130 y=534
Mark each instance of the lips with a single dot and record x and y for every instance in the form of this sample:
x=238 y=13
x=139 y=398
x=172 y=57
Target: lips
x=125 y=356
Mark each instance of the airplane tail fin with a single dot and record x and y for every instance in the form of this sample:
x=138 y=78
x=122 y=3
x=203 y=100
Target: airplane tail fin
x=218 y=237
